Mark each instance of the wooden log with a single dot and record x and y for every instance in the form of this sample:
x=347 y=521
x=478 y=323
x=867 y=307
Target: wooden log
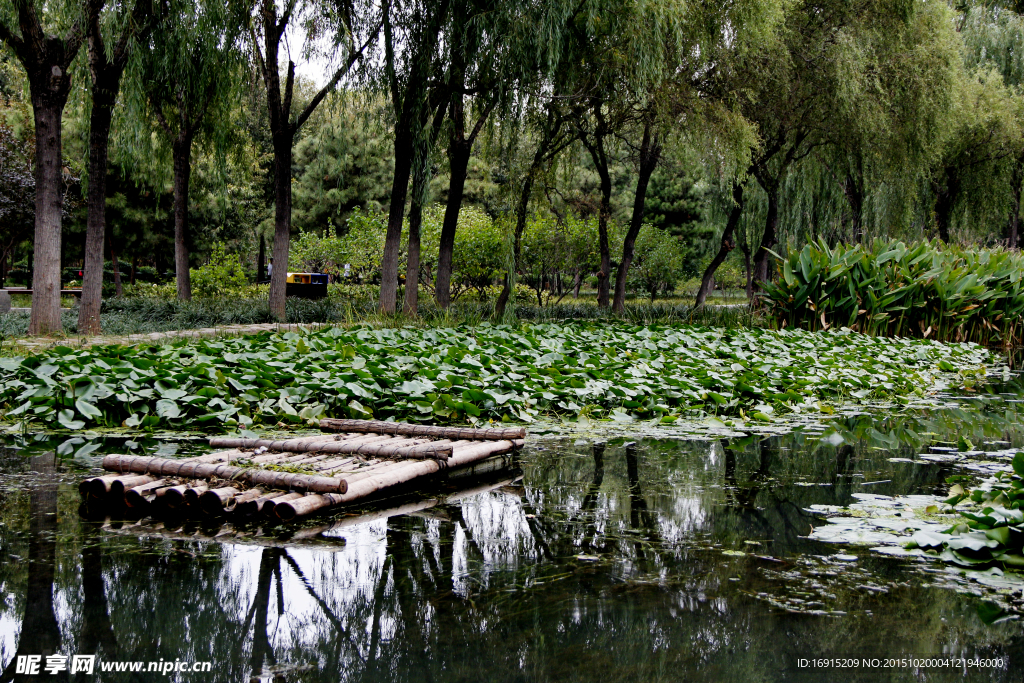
x=97 y=486
x=373 y=448
x=253 y=506
x=190 y=496
x=167 y=467
x=271 y=505
x=400 y=428
x=385 y=478
x=122 y=484
x=245 y=496
x=174 y=496
x=229 y=441
x=463 y=455
x=213 y=501
x=136 y=496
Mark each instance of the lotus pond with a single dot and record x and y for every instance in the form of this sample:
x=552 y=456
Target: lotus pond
x=625 y=552
x=568 y=371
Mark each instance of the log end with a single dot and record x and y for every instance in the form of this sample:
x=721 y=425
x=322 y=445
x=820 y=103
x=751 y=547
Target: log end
x=99 y=487
x=211 y=503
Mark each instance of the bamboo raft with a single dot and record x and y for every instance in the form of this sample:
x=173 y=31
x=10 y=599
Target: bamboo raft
x=323 y=536
x=286 y=480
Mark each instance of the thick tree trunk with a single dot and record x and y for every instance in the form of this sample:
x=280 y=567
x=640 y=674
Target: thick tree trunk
x=458 y=156
x=770 y=236
x=282 y=222
x=45 y=317
x=396 y=212
x=96 y=221
x=707 y=283
x=650 y=151
x=182 y=151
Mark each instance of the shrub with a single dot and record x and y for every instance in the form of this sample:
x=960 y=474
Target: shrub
x=894 y=289
x=222 y=275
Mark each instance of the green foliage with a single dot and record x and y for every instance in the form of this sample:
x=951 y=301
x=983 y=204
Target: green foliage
x=221 y=276
x=894 y=289
x=344 y=163
x=657 y=264
x=479 y=256
x=471 y=373
x=992 y=530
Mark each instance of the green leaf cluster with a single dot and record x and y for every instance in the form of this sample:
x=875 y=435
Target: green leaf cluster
x=992 y=532
x=894 y=289
x=470 y=374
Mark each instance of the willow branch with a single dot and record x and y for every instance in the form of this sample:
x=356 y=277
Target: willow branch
x=338 y=75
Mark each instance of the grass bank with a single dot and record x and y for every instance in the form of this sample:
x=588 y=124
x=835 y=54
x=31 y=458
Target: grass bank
x=474 y=373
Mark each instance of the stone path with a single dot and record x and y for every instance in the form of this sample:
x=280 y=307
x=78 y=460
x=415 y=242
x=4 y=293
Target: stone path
x=34 y=344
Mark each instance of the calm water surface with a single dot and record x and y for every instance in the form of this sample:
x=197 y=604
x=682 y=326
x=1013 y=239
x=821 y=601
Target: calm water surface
x=653 y=560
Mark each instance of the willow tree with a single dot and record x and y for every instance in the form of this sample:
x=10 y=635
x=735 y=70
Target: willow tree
x=109 y=36
x=185 y=77
x=474 y=42
x=284 y=122
x=993 y=38
x=892 y=85
x=412 y=33
x=45 y=39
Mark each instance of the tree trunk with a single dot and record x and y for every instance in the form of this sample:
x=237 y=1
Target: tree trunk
x=853 y=188
x=770 y=236
x=650 y=151
x=182 y=151
x=412 y=269
x=96 y=221
x=708 y=281
x=1012 y=231
x=458 y=156
x=600 y=159
x=118 y=289
x=604 y=276
x=396 y=212
x=261 y=260
x=748 y=270
x=282 y=221
x=135 y=267
x=517 y=243
x=45 y=317
x=945 y=197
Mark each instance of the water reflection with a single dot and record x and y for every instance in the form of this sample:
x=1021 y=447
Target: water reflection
x=623 y=561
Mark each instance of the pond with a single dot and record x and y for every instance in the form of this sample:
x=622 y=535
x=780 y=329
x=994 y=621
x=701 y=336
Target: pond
x=593 y=558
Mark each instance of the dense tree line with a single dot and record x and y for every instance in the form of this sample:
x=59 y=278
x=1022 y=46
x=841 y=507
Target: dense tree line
x=148 y=132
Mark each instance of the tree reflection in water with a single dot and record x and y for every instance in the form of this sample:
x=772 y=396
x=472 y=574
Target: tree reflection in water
x=604 y=562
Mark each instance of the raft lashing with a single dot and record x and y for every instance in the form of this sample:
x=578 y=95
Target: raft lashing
x=295 y=478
